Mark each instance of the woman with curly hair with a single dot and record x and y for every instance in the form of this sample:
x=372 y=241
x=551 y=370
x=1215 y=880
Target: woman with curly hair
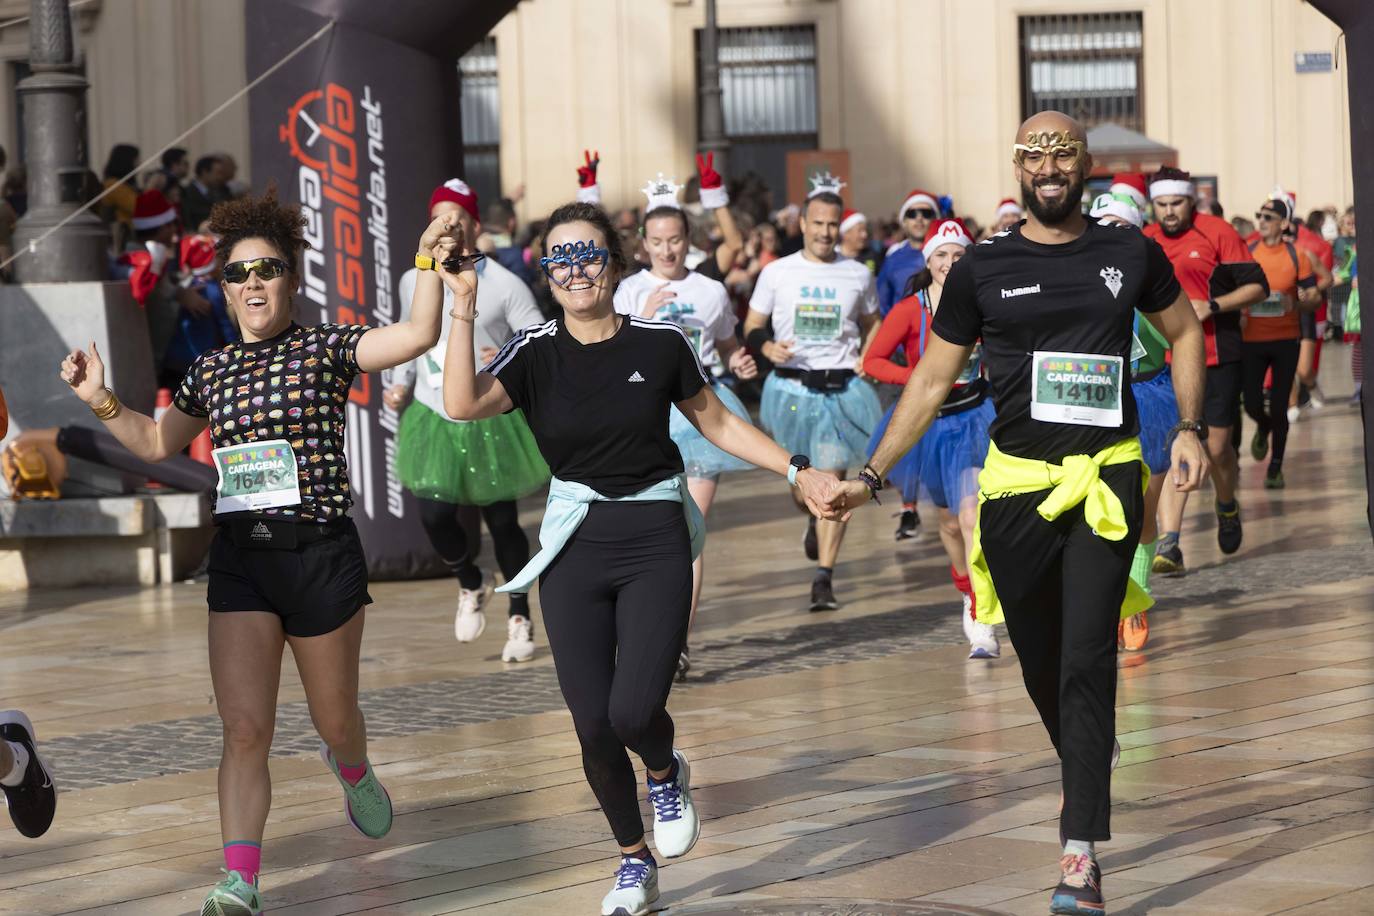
x=286 y=566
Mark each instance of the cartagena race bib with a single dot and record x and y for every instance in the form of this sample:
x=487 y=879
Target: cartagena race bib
x=256 y=475
x=1271 y=307
x=1083 y=389
x=817 y=322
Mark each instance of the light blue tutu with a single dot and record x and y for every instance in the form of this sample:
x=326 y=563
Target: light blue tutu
x=699 y=456
x=903 y=477
x=951 y=453
x=1157 y=409
x=830 y=429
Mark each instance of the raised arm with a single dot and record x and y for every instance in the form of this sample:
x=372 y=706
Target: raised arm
x=468 y=394
x=393 y=344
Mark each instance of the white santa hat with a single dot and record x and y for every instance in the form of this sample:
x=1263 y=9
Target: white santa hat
x=919 y=197
x=1009 y=207
x=946 y=232
x=1120 y=205
x=851 y=219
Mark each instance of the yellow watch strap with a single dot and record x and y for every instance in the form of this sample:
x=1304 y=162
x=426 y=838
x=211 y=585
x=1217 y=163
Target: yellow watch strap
x=425 y=262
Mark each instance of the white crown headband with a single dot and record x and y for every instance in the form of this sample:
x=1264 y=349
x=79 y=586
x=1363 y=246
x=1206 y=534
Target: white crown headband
x=662 y=192
x=824 y=184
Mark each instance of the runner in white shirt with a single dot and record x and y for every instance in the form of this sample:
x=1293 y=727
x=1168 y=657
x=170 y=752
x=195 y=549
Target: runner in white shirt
x=824 y=312
x=668 y=291
x=448 y=465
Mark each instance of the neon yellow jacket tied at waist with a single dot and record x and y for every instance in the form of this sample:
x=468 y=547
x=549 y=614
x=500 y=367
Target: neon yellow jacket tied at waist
x=1075 y=481
x=568 y=506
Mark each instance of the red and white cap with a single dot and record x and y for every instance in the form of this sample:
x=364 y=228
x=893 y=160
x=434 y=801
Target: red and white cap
x=1287 y=197
x=152 y=209
x=919 y=197
x=1132 y=184
x=457 y=191
x=946 y=232
x=1009 y=207
x=851 y=219
x=197 y=255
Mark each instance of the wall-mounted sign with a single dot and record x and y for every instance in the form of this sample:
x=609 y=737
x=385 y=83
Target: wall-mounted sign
x=1313 y=61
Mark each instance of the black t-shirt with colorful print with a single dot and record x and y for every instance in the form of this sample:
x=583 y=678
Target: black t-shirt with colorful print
x=291 y=387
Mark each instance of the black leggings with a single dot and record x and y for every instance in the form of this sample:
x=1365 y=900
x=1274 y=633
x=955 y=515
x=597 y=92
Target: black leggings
x=615 y=605
x=1061 y=588
x=1257 y=357
x=443 y=524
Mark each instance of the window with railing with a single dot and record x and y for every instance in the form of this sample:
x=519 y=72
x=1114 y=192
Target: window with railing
x=480 y=108
x=1088 y=65
x=768 y=93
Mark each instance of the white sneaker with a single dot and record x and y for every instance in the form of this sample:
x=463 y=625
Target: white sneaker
x=982 y=638
x=635 y=889
x=967 y=617
x=1293 y=414
x=469 y=623
x=519 y=640
x=676 y=825
x=1317 y=400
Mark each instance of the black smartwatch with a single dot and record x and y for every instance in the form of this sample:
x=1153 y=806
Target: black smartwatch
x=1213 y=306
x=798 y=464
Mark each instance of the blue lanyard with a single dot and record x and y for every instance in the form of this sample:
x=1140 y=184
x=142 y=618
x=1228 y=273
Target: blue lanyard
x=925 y=315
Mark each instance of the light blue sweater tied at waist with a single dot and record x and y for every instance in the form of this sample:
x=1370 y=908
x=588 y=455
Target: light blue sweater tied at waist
x=568 y=506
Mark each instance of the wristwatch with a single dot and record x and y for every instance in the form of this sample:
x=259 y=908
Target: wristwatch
x=425 y=262
x=1196 y=426
x=798 y=464
x=1213 y=306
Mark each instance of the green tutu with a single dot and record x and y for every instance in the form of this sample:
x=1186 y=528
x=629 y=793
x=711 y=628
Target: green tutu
x=470 y=464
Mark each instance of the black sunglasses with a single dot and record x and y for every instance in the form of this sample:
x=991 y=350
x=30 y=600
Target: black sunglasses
x=460 y=262
x=1265 y=217
x=923 y=212
x=265 y=268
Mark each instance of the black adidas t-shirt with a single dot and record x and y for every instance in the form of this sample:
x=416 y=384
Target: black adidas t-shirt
x=1021 y=296
x=599 y=412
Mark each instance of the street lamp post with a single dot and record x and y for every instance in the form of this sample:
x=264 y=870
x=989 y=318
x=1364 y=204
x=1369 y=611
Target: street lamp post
x=52 y=99
x=713 y=138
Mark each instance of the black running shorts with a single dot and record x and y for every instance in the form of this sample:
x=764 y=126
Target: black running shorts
x=1223 y=394
x=315 y=587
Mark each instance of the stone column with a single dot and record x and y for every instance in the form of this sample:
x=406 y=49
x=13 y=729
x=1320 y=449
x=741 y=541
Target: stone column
x=52 y=97
x=713 y=138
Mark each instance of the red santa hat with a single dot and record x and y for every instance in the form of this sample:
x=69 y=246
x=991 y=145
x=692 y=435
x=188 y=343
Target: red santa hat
x=851 y=219
x=1132 y=184
x=152 y=209
x=916 y=198
x=946 y=232
x=197 y=256
x=1009 y=207
x=457 y=191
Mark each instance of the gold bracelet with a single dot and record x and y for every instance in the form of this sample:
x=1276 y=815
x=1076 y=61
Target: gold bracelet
x=109 y=408
x=472 y=317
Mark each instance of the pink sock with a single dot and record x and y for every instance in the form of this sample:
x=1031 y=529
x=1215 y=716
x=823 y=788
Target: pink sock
x=352 y=775
x=245 y=858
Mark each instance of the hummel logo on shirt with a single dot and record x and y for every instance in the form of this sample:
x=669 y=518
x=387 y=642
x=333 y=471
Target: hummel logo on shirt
x=636 y=377
x=1020 y=291
x=1194 y=254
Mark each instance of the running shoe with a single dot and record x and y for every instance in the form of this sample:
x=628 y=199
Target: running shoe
x=1229 y=531
x=684 y=664
x=1168 y=561
x=1294 y=414
x=1259 y=443
x=1080 y=887
x=1273 y=479
x=367 y=804
x=823 y=596
x=809 y=542
x=635 y=889
x=469 y=623
x=982 y=638
x=519 y=640
x=232 y=897
x=33 y=802
x=909 y=525
x=1133 y=631
x=676 y=824
x=1317 y=400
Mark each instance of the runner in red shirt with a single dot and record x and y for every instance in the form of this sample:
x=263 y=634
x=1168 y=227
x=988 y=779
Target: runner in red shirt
x=1221 y=278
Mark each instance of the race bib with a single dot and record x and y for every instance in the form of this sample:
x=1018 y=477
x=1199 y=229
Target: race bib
x=1272 y=307
x=256 y=475
x=974 y=370
x=1079 y=388
x=817 y=322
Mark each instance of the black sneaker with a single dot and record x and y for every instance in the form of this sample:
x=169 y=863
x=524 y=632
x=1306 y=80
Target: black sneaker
x=1228 y=530
x=909 y=525
x=1259 y=444
x=823 y=596
x=33 y=802
x=1273 y=478
x=1080 y=887
x=1168 y=561
x=684 y=664
x=809 y=543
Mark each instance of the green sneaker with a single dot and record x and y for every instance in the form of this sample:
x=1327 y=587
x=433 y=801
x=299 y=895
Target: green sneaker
x=1259 y=444
x=1274 y=479
x=232 y=897
x=367 y=805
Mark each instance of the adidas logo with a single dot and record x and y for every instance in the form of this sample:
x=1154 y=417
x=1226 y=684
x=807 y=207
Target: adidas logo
x=260 y=532
x=636 y=377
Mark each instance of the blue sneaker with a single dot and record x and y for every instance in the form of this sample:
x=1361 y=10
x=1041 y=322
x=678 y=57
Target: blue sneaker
x=676 y=825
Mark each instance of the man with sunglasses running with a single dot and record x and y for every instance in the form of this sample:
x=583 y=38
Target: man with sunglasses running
x=1221 y=278
x=904 y=259
x=1061 y=492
